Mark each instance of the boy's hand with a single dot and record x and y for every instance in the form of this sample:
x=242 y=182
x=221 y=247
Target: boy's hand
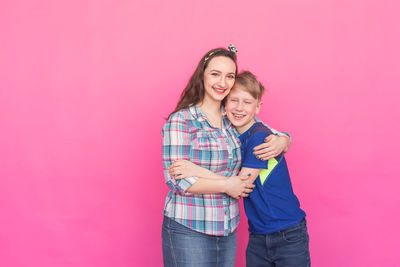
x=183 y=169
x=273 y=146
x=238 y=186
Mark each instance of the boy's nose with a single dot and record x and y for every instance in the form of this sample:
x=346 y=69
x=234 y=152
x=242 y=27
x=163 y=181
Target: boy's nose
x=239 y=107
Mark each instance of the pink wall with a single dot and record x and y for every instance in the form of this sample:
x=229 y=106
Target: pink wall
x=85 y=85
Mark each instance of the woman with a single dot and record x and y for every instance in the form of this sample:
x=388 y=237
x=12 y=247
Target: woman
x=201 y=215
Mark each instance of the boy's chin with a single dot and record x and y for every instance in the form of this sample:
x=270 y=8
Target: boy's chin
x=238 y=124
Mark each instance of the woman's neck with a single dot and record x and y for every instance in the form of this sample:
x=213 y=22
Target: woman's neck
x=212 y=109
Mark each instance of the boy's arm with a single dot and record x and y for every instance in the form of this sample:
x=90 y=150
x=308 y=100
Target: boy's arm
x=250 y=172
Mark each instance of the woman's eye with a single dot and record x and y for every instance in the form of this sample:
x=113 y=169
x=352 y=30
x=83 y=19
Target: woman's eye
x=231 y=77
x=214 y=74
x=234 y=100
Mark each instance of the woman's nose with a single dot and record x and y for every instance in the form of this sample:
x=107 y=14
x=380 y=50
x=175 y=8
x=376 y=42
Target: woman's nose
x=222 y=82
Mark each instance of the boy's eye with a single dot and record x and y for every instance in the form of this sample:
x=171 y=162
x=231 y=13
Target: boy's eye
x=247 y=102
x=231 y=77
x=234 y=100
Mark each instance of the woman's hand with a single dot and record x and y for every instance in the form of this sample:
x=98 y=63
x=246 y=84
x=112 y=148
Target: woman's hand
x=273 y=146
x=238 y=186
x=183 y=169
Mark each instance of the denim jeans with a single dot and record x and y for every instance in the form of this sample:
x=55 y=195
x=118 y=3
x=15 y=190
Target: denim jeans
x=286 y=248
x=183 y=247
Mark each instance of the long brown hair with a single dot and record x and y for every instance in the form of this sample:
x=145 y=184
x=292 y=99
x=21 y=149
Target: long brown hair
x=194 y=90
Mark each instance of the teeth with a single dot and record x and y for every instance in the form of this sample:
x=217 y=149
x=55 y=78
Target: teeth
x=219 y=90
x=238 y=117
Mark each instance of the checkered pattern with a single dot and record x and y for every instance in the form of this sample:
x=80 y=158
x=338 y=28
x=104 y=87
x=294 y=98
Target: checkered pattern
x=188 y=135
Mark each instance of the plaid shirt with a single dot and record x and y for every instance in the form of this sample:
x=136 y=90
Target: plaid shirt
x=188 y=135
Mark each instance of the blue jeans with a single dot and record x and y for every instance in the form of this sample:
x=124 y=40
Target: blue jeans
x=288 y=248
x=183 y=247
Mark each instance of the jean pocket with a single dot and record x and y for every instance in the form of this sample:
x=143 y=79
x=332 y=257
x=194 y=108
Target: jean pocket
x=294 y=234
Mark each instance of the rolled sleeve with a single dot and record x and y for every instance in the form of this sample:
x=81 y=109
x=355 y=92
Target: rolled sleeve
x=176 y=145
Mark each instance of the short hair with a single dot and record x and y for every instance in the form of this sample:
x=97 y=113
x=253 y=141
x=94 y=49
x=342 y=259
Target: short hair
x=250 y=83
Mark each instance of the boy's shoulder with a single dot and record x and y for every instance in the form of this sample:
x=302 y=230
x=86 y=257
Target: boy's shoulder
x=259 y=129
x=255 y=136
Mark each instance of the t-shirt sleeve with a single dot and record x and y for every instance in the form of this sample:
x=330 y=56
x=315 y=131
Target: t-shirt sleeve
x=249 y=159
x=273 y=131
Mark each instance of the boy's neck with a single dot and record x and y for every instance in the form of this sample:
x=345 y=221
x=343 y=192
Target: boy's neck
x=244 y=128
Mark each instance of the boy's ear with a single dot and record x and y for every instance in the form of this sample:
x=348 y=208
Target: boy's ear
x=258 y=106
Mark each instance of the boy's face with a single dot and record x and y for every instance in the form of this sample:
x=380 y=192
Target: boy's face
x=241 y=107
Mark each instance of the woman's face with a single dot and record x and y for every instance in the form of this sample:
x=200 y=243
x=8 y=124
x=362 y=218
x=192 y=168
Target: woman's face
x=219 y=77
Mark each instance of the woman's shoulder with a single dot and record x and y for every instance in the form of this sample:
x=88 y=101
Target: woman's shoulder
x=184 y=118
x=181 y=115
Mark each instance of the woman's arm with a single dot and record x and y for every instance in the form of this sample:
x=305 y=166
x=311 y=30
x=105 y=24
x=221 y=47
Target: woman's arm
x=184 y=168
x=176 y=146
x=181 y=169
x=235 y=186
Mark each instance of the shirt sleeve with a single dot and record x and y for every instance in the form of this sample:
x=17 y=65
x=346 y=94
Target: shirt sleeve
x=176 y=145
x=274 y=131
x=249 y=159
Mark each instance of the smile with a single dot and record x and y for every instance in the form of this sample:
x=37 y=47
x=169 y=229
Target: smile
x=238 y=116
x=220 y=90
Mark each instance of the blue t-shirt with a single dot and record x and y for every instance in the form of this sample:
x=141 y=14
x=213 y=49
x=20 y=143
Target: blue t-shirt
x=272 y=206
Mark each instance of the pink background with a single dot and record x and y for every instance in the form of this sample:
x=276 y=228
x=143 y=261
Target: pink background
x=85 y=87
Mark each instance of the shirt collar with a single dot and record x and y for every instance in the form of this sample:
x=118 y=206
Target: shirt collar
x=201 y=117
x=197 y=113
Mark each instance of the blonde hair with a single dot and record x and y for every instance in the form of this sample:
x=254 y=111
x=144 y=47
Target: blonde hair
x=248 y=81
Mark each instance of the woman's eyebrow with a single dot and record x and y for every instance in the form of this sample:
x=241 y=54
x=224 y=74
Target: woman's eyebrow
x=221 y=71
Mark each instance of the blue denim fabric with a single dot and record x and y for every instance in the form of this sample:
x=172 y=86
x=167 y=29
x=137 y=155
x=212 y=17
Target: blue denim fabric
x=286 y=248
x=183 y=247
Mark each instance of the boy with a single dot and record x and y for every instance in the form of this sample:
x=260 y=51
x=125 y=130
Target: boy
x=277 y=226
